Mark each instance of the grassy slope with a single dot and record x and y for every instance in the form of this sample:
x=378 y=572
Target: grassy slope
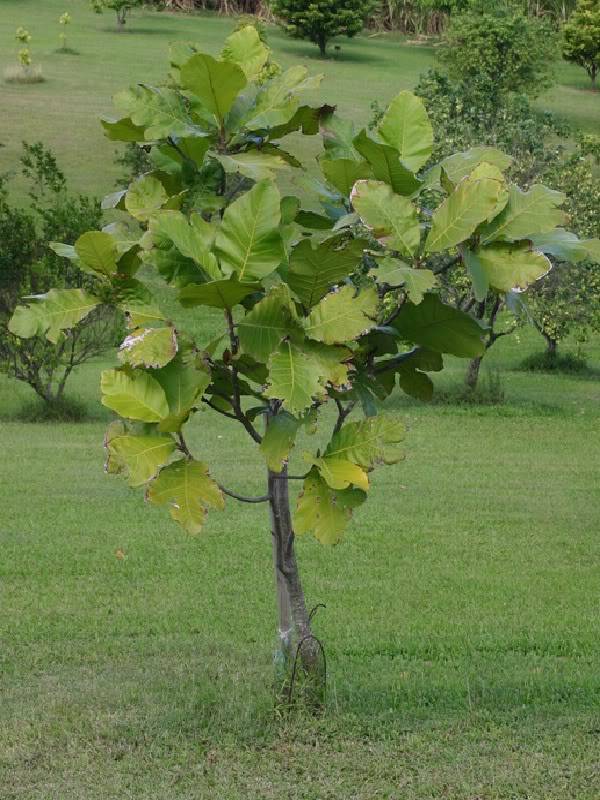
x=64 y=111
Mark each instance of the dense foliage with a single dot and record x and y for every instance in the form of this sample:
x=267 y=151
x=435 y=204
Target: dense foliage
x=335 y=308
x=319 y=21
x=29 y=267
x=582 y=38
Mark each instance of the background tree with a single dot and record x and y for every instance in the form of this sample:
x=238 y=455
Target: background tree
x=122 y=8
x=581 y=33
x=319 y=21
x=29 y=267
x=323 y=314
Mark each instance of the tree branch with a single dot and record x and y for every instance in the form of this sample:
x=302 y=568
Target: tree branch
x=392 y=363
x=242 y=498
x=237 y=404
x=342 y=413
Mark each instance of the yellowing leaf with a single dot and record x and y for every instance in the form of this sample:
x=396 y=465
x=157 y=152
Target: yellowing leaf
x=134 y=395
x=149 y=347
x=323 y=511
x=142 y=455
x=339 y=473
x=278 y=440
x=342 y=315
x=372 y=441
x=188 y=490
x=145 y=197
x=51 y=313
x=245 y=48
x=512 y=267
x=526 y=213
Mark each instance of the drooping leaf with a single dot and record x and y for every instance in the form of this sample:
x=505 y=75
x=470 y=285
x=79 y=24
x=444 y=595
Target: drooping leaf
x=183 y=383
x=392 y=218
x=249 y=241
x=338 y=136
x=386 y=165
x=244 y=48
x=566 y=246
x=51 y=313
x=133 y=395
x=279 y=439
x=122 y=130
x=441 y=328
x=193 y=238
x=456 y=218
x=323 y=511
x=342 y=315
x=512 y=267
x=262 y=329
x=416 y=282
x=97 y=251
x=149 y=347
x=188 y=490
x=293 y=378
x=371 y=441
x=216 y=83
x=253 y=164
x=143 y=456
x=406 y=127
x=314 y=270
x=218 y=294
x=162 y=112
x=412 y=376
x=276 y=102
x=459 y=165
x=344 y=172
x=526 y=213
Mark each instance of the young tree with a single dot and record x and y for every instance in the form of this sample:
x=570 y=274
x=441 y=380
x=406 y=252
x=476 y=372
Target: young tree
x=582 y=38
x=319 y=310
x=29 y=267
x=319 y=21
x=122 y=9
x=495 y=50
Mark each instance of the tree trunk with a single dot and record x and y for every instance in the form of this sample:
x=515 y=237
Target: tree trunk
x=121 y=18
x=294 y=629
x=322 y=42
x=473 y=372
x=551 y=345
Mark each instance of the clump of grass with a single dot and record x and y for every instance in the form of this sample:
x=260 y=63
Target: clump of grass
x=64 y=409
x=555 y=362
x=487 y=393
x=67 y=51
x=19 y=73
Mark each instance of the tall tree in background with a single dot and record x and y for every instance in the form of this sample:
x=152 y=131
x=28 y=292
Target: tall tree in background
x=319 y=21
x=582 y=38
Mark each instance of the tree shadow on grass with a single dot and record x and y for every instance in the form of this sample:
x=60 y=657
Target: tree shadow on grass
x=305 y=51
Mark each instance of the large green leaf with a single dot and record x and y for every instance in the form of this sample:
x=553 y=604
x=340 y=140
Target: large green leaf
x=253 y=164
x=143 y=456
x=216 y=83
x=162 y=112
x=470 y=204
x=339 y=473
x=276 y=103
x=279 y=439
x=122 y=130
x=323 y=511
x=97 y=250
x=344 y=172
x=149 y=347
x=188 y=490
x=183 y=383
x=294 y=378
x=412 y=370
x=512 y=267
x=314 y=270
x=371 y=441
x=249 y=241
x=416 y=282
x=51 y=313
x=406 y=127
x=386 y=165
x=526 y=213
x=263 y=328
x=134 y=395
x=459 y=165
x=193 y=238
x=244 y=48
x=145 y=197
x=218 y=294
x=342 y=315
x=566 y=246
x=392 y=218
x=338 y=136
x=441 y=328
x=333 y=362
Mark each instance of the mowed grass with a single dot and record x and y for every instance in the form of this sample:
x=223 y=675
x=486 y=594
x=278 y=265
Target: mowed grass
x=64 y=111
x=461 y=625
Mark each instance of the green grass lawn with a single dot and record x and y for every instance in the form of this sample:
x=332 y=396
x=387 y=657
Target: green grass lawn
x=461 y=626
x=63 y=112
